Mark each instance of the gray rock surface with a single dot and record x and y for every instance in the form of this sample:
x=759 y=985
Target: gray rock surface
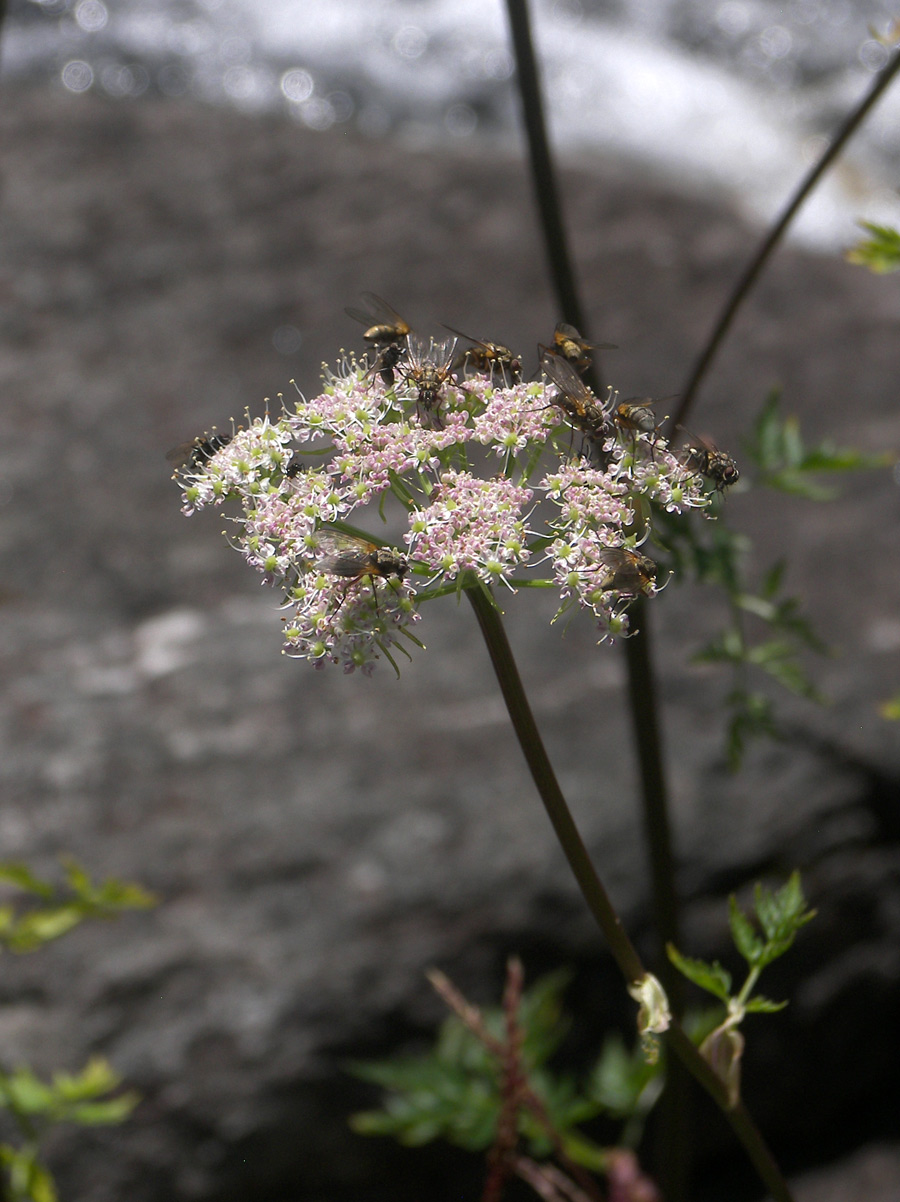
x=317 y=840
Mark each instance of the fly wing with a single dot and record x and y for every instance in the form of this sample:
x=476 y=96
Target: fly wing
x=561 y=373
x=342 y=554
x=625 y=573
x=197 y=451
x=490 y=347
x=568 y=331
x=364 y=319
x=380 y=309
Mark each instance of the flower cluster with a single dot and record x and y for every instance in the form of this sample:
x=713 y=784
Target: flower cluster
x=495 y=479
x=472 y=524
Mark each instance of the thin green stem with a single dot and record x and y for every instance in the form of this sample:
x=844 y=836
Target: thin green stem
x=738 y=1116
x=764 y=251
x=675 y=1144
x=674 y=1132
x=547 y=785
x=640 y=682
x=593 y=891
x=657 y=828
x=641 y=685
x=543 y=175
x=748 y=986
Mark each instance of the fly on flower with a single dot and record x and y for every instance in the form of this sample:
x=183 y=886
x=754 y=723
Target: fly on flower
x=574 y=398
x=340 y=622
x=717 y=466
x=385 y=361
x=636 y=413
x=355 y=559
x=627 y=572
x=384 y=324
x=488 y=357
x=197 y=451
x=569 y=343
x=428 y=368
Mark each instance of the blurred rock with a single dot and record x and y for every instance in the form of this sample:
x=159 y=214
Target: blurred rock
x=317 y=840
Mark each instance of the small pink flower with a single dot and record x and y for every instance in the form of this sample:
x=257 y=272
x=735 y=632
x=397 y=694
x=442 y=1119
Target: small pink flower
x=347 y=623
x=513 y=417
x=241 y=468
x=472 y=524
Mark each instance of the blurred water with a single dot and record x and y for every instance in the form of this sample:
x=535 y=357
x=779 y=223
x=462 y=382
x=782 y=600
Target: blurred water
x=733 y=97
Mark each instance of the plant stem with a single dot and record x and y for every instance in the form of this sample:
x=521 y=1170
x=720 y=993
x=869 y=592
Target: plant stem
x=764 y=251
x=543 y=176
x=675 y=1104
x=641 y=688
x=592 y=889
x=657 y=828
x=641 y=685
x=548 y=787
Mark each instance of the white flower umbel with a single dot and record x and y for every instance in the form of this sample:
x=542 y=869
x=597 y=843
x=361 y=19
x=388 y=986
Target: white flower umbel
x=363 y=439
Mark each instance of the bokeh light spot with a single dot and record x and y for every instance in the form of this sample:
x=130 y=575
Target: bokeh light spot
x=77 y=76
x=91 y=15
x=287 y=340
x=776 y=41
x=732 y=18
x=410 y=41
x=297 y=85
x=460 y=120
x=119 y=80
x=317 y=114
x=873 y=55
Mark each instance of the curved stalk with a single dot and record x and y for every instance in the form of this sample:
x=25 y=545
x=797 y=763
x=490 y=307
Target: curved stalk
x=763 y=253
x=547 y=785
x=592 y=888
x=640 y=676
x=645 y=727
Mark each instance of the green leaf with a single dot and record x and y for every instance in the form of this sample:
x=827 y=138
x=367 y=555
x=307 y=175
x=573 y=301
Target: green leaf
x=22 y=877
x=25 y=1094
x=41 y=926
x=452 y=1091
x=762 y=1005
x=781 y=915
x=29 y=1181
x=783 y=615
x=96 y=1078
x=745 y=938
x=111 y=895
x=752 y=717
x=31 y=928
x=890 y=709
x=622 y=1082
x=880 y=253
x=709 y=552
x=581 y=1150
x=711 y=977
x=765 y=446
x=95 y=1114
x=779 y=659
x=772 y=580
x=727 y=648
x=776 y=447
x=68 y=1098
x=700 y=1023
x=564 y=1103
x=541 y=1017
